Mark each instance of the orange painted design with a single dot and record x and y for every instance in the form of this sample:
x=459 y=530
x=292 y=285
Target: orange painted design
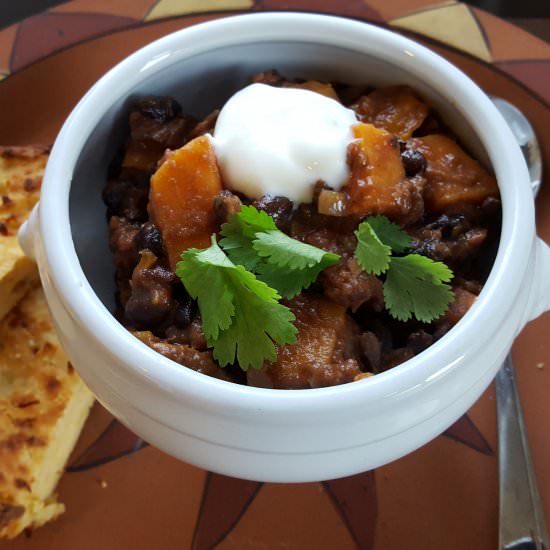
x=533 y=74
x=44 y=34
x=7 y=38
x=174 y=8
x=397 y=8
x=354 y=8
x=453 y=24
x=124 y=8
x=523 y=46
x=286 y=516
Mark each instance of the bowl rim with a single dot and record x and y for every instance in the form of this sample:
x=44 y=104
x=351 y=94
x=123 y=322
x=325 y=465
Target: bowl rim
x=145 y=365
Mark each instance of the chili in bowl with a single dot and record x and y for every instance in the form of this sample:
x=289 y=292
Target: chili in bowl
x=311 y=433
x=359 y=276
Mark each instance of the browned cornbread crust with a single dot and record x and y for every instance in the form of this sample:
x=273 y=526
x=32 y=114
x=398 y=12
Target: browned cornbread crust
x=21 y=170
x=43 y=405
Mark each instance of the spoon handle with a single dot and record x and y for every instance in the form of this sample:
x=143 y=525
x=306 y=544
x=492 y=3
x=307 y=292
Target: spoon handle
x=521 y=515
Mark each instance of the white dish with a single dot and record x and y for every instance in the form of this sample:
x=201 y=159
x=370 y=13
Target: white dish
x=276 y=435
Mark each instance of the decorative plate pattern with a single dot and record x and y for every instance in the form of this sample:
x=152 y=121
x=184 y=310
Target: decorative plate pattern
x=121 y=493
x=467 y=29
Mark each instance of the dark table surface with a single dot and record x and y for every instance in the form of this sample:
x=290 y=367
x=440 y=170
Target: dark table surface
x=532 y=15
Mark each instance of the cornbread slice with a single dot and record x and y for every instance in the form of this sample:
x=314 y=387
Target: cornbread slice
x=43 y=406
x=21 y=170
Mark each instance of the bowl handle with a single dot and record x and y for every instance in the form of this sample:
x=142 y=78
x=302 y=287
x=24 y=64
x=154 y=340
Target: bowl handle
x=539 y=300
x=28 y=233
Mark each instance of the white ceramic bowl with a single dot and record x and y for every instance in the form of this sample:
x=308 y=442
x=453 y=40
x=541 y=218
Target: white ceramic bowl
x=261 y=434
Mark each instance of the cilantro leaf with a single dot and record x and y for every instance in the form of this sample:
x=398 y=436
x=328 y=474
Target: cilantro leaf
x=239 y=249
x=288 y=283
x=251 y=221
x=241 y=315
x=371 y=253
x=201 y=270
x=415 y=285
x=285 y=252
x=251 y=239
x=239 y=232
x=389 y=233
x=259 y=321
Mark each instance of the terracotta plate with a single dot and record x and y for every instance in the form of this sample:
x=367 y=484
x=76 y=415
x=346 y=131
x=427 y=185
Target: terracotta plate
x=121 y=493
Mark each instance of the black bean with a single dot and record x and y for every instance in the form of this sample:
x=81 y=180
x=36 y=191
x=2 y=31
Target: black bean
x=151 y=298
x=126 y=199
x=279 y=208
x=149 y=237
x=413 y=162
x=451 y=226
x=184 y=313
x=161 y=109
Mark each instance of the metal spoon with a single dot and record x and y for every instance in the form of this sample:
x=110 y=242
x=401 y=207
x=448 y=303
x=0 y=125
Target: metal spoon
x=521 y=521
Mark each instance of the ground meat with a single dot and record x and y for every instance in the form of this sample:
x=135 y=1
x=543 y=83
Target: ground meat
x=204 y=126
x=474 y=287
x=350 y=94
x=155 y=125
x=381 y=330
x=396 y=357
x=419 y=340
x=459 y=306
x=431 y=243
x=431 y=125
x=158 y=135
x=151 y=299
x=192 y=335
x=272 y=78
x=347 y=284
x=328 y=240
x=414 y=210
x=200 y=361
x=225 y=204
x=333 y=234
x=370 y=351
x=122 y=233
x=127 y=198
x=321 y=356
x=279 y=208
x=463 y=300
x=149 y=237
x=122 y=294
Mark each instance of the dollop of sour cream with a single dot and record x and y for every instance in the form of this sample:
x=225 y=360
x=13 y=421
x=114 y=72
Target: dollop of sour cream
x=280 y=141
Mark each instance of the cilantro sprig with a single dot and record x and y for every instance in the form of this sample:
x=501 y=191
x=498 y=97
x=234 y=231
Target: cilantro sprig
x=241 y=315
x=251 y=239
x=238 y=284
x=414 y=285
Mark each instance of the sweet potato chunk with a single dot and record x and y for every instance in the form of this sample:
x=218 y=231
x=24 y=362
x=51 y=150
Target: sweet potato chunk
x=181 y=197
x=395 y=109
x=376 y=181
x=453 y=177
x=319 y=357
x=316 y=86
